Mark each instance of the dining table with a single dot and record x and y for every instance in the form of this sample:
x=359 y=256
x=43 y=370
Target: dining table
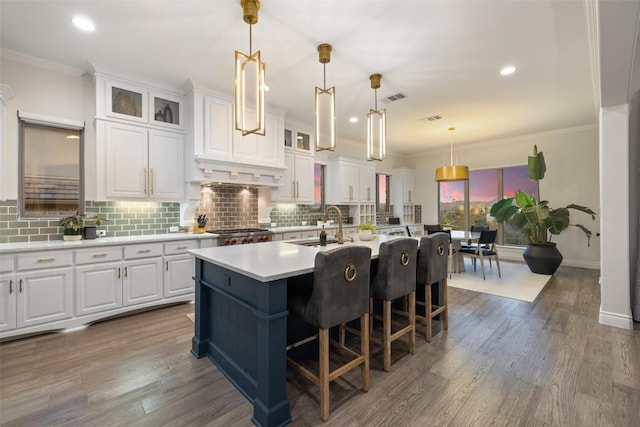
x=458 y=237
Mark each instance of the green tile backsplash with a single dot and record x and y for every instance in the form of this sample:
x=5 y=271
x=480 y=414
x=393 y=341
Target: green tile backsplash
x=123 y=219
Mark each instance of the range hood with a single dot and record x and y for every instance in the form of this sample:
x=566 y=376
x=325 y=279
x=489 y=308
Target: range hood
x=220 y=171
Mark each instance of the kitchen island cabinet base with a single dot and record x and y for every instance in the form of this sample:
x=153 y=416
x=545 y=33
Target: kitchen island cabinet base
x=241 y=326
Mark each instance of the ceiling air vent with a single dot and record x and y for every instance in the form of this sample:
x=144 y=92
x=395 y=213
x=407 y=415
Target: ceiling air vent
x=431 y=118
x=397 y=97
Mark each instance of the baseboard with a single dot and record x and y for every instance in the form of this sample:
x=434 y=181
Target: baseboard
x=623 y=321
x=514 y=253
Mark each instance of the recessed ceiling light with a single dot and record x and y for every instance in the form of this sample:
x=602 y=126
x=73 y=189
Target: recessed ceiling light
x=353 y=119
x=509 y=69
x=83 y=23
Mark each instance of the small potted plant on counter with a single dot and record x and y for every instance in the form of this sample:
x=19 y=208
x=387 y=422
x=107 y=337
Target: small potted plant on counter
x=72 y=227
x=365 y=231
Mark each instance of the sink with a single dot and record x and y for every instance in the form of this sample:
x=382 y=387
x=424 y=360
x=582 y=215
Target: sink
x=312 y=242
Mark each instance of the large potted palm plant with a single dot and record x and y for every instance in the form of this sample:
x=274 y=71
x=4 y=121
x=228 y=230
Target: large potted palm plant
x=538 y=221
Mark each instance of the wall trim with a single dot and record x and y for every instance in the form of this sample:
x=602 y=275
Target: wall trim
x=616 y=320
x=41 y=63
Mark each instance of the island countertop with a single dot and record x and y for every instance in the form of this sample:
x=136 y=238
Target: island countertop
x=270 y=261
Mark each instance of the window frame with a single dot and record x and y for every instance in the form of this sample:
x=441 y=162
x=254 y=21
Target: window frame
x=387 y=205
x=54 y=123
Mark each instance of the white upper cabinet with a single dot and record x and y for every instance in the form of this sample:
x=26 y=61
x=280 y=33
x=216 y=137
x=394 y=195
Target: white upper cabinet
x=140 y=140
x=367 y=184
x=121 y=99
x=297 y=180
x=141 y=163
x=217 y=140
x=345 y=176
x=403 y=180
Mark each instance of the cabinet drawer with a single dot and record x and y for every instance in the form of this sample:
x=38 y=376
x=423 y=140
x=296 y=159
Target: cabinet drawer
x=47 y=259
x=179 y=247
x=291 y=236
x=309 y=234
x=143 y=250
x=89 y=256
x=6 y=263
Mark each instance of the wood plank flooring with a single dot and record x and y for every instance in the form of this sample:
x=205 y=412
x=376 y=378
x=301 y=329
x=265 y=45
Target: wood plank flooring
x=502 y=362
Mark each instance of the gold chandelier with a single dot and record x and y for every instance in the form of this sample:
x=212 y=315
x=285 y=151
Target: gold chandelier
x=249 y=79
x=325 y=106
x=376 y=126
x=452 y=172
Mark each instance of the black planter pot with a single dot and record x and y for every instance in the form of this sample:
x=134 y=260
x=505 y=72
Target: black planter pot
x=542 y=258
x=71 y=234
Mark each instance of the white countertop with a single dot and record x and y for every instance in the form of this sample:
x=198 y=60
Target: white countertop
x=275 y=260
x=100 y=241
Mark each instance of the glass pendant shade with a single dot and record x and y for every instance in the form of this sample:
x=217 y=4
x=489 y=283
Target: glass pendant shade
x=325 y=105
x=452 y=172
x=376 y=126
x=377 y=134
x=249 y=91
x=249 y=84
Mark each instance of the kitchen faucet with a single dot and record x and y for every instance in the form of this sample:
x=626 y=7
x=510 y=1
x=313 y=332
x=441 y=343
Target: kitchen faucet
x=326 y=214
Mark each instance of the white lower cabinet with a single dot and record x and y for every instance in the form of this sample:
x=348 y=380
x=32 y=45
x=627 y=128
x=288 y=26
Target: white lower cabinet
x=71 y=288
x=29 y=298
x=142 y=281
x=98 y=287
x=178 y=275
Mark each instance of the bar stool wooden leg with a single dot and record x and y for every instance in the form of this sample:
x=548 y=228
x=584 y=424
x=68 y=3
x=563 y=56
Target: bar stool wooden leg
x=386 y=340
x=427 y=311
x=324 y=374
x=412 y=321
x=364 y=350
x=445 y=304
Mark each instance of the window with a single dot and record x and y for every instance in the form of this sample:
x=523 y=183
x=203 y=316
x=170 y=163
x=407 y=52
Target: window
x=50 y=167
x=466 y=203
x=318 y=187
x=383 y=185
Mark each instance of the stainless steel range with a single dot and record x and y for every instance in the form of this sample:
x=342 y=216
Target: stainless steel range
x=242 y=236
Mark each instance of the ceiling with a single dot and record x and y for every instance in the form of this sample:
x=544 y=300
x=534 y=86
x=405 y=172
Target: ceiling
x=445 y=56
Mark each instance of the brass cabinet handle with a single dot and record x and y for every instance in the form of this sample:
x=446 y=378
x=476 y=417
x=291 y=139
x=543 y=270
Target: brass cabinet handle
x=409 y=196
x=297 y=189
x=98 y=255
x=144 y=251
x=167 y=265
x=368 y=194
x=10 y=286
x=181 y=248
x=125 y=271
x=152 y=180
x=20 y=289
x=293 y=189
x=145 y=180
x=118 y=272
x=46 y=260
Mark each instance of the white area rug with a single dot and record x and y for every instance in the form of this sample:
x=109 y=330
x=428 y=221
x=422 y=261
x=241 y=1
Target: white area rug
x=517 y=281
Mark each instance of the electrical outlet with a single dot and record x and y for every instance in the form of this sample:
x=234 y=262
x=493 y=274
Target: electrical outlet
x=174 y=229
x=101 y=233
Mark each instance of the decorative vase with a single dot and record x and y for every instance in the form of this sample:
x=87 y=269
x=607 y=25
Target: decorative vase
x=71 y=234
x=542 y=258
x=365 y=235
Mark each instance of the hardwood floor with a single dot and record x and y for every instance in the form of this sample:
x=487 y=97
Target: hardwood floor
x=502 y=362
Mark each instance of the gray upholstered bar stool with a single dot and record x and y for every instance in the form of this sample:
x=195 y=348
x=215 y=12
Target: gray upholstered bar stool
x=395 y=278
x=340 y=293
x=432 y=269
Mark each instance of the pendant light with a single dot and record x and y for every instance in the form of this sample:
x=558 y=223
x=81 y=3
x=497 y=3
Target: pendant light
x=376 y=126
x=249 y=80
x=452 y=172
x=325 y=106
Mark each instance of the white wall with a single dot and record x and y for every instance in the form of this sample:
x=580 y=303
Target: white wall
x=572 y=177
x=62 y=93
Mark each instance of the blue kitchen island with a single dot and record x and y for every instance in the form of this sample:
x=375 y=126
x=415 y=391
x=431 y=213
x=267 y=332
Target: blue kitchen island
x=241 y=317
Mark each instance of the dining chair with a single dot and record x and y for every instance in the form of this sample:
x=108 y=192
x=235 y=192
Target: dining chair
x=338 y=293
x=452 y=250
x=486 y=248
x=432 y=228
x=475 y=229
